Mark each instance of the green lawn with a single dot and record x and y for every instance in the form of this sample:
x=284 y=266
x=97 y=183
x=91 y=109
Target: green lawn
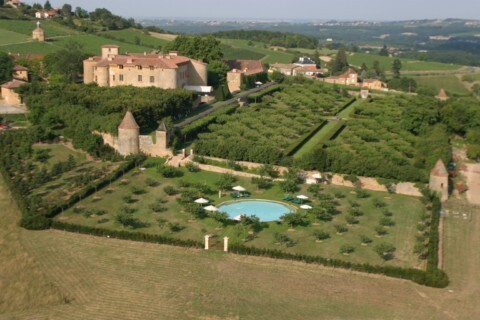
x=407 y=65
x=406 y=212
x=59 y=152
x=450 y=83
x=9 y=37
x=26 y=27
x=134 y=35
x=325 y=131
x=269 y=56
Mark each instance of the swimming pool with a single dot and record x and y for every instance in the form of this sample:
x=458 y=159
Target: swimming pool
x=265 y=210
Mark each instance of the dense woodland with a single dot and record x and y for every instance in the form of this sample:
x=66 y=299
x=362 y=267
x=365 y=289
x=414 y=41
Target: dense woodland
x=76 y=110
x=280 y=39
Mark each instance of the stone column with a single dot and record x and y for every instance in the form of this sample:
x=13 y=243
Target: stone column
x=191 y=152
x=183 y=153
x=225 y=244
x=206 y=241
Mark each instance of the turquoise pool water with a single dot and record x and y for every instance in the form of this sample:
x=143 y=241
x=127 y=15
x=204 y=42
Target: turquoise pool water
x=264 y=210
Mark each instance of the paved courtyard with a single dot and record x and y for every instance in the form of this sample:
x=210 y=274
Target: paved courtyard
x=8 y=109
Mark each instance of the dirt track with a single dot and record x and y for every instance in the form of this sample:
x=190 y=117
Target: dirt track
x=473 y=182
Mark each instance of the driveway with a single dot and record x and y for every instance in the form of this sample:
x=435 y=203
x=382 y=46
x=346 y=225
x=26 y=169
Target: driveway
x=473 y=182
x=8 y=109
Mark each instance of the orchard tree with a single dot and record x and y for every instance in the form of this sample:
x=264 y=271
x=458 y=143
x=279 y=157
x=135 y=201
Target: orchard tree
x=340 y=63
x=217 y=73
x=6 y=67
x=396 y=67
x=47 y=6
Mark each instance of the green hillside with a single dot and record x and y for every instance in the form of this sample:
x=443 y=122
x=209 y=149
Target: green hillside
x=407 y=65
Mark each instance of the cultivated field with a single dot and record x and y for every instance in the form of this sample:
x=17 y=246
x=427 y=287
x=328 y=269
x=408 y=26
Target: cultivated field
x=239 y=49
x=407 y=65
x=56 y=275
x=135 y=36
x=451 y=83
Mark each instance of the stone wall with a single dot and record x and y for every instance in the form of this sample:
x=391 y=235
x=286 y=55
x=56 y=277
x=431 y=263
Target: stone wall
x=148 y=147
x=11 y=97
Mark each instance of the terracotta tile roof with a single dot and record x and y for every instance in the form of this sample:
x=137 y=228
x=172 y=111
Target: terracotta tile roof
x=247 y=67
x=128 y=122
x=284 y=65
x=144 y=60
x=13 y=84
x=442 y=94
x=439 y=170
x=110 y=46
x=19 y=68
x=162 y=127
x=347 y=74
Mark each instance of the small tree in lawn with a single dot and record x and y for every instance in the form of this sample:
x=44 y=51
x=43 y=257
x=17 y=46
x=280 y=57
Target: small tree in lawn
x=221 y=217
x=347 y=249
x=385 y=250
x=226 y=182
x=380 y=230
x=365 y=240
x=341 y=228
x=321 y=235
x=295 y=219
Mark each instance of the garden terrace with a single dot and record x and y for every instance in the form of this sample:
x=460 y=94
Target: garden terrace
x=263 y=131
x=164 y=206
x=400 y=132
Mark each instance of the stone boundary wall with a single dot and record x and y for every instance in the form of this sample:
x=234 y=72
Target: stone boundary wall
x=249 y=165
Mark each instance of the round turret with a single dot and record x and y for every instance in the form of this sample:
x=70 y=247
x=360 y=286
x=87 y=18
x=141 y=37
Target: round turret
x=128 y=136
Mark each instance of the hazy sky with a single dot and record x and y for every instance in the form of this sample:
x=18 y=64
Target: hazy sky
x=286 y=9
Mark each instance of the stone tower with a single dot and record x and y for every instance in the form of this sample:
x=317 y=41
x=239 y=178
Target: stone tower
x=442 y=95
x=38 y=33
x=128 y=136
x=439 y=180
x=162 y=136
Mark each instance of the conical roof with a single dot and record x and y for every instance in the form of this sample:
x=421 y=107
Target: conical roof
x=162 y=127
x=128 y=122
x=442 y=94
x=439 y=170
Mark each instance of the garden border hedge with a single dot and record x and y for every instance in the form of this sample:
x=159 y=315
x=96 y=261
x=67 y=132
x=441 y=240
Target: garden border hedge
x=294 y=147
x=256 y=97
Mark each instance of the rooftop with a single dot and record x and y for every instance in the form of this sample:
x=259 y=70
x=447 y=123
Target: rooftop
x=246 y=67
x=170 y=61
x=128 y=122
x=439 y=170
x=13 y=84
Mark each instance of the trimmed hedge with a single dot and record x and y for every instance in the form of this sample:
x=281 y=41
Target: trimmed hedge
x=294 y=147
x=191 y=130
x=125 y=235
x=346 y=105
x=257 y=97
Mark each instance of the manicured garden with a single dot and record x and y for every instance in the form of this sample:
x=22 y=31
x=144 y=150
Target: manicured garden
x=263 y=131
x=345 y=223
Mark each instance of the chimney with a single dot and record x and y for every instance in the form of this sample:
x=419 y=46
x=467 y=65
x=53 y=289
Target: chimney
x=129 y=60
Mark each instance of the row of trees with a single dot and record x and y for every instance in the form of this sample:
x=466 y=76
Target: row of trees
x=281 y=39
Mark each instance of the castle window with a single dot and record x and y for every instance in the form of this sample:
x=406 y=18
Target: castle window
x=152 y=79
x=96 y=79
x=95 y=68
x=139 y=67
x=120 y=66
x=120 y=77
x=152 y=68
x=139 y=78
x=113 y=77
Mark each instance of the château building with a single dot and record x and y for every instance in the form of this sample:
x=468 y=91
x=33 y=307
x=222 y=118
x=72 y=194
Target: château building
x=166 y=71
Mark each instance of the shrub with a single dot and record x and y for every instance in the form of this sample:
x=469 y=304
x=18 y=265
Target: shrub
x=385 y=250
x=346 y=249
x=127 y=210
x=175 y=227
x=128 y=199
x=192 y=167
x=364 y=239
x=283 y=239
x=151 y=182
x=138 y=191
x=351 y=219
x=339 y=195
x=161 y=222
x=354 y=204
x=169 y=172
x=387 y=222
x=171 y=191
x=103 y=220
x=380 y=230
x=379 y=203
x=356 y=212
x=183 y=184
x=360 y=193
x=321 y=235
x=157 y=207
x=387 y=213
x=341 y=228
